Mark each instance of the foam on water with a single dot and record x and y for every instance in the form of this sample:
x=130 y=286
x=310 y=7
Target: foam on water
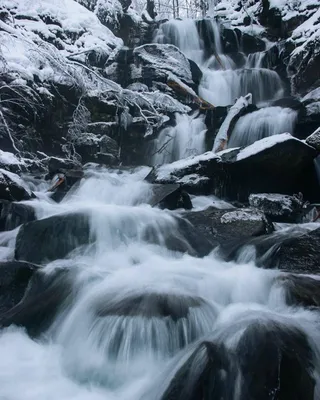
x=136 y=305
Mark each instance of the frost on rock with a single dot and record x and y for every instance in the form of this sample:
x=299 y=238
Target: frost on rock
x=165 y=103
x=276 y=205
x=242 y=215
x=162 y=60
x=314 y=139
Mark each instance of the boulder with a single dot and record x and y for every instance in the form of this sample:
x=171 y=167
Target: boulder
x=170 y=196
x=275 y=358
x=278 y=207
x=59 y=235
x=158 y=61
x=45 y=294
x=221 y=226
x=12 y=187
x=301 y=290
x=14 y=280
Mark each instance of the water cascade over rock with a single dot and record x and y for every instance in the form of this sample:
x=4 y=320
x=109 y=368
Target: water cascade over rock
x=159 y=204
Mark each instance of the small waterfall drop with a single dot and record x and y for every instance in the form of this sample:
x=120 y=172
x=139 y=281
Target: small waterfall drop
x=186 y=138
x=262 y=123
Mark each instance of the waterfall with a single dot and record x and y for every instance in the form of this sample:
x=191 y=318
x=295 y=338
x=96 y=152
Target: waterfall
x=185 y=139
x=262 y=123
x=222 y=81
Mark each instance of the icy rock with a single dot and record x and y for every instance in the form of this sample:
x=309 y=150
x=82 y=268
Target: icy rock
x=314 y=139
x=249 y=222
x=159 y=60
x=278 y=207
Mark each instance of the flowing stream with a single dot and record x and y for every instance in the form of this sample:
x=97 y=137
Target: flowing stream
x=135 y=309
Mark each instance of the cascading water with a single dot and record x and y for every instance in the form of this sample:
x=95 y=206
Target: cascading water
x=136 y=311
x=262 y=123
x=186 y=138
x=222 y=81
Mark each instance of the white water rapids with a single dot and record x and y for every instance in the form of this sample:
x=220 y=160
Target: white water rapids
x=103 y=346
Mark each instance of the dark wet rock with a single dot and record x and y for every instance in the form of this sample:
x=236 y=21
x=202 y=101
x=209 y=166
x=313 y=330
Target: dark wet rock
x=43 y=298
x=213 y=120
x=150 y=305
x=301 y=290
x=209 y=373
x=14 y=280
x=278 y=207
x=11 y=189
x=269 y=359
x=170 y=197
x=59 y=235
x=295 y=251
x=56 y=165
x=275 y=360
x=14 y=214
x=220 y=226
x=93 y=148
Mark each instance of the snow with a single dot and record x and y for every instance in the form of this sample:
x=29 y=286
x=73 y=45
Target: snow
x=31 y=47
x=165 y=58
x=313 y=95
x=16 y=179
x=193 y=179
x=263 y=144
x=306 y=33
x=9 y=158
x=241 y=215
x=165 y=172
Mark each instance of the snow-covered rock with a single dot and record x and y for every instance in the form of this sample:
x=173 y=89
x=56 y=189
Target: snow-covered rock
x=279 y=164
x=279 y=207
x=157 y=61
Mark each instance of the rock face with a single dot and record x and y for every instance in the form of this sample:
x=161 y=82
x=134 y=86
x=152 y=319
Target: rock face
x=279 y=208
x=235 y=174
